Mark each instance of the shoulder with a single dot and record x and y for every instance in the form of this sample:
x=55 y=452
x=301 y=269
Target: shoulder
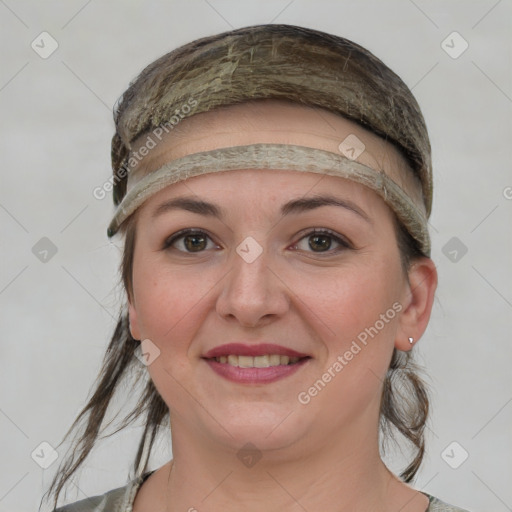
x=117 y=500
x=436 y=505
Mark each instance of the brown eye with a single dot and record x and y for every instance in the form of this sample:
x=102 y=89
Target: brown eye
x=188 y=241
x=320 y=241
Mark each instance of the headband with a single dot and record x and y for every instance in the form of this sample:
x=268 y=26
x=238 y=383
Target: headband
x=143 y=185
x=283 y=62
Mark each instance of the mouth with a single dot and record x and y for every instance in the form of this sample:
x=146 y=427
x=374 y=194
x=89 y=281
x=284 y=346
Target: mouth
x=265 y=350
x=263 y=361
x=254 y=364
x=252 y=374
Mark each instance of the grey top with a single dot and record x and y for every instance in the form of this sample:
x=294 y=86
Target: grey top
x=122 y=498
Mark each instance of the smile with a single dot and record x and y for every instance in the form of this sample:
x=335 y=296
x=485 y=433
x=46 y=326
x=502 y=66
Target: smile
x=245 y=369
x=264 y=361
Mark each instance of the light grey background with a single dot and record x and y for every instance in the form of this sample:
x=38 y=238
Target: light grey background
x=58 y=316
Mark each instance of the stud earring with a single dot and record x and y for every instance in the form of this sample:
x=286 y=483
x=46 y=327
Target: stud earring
x=411 y=340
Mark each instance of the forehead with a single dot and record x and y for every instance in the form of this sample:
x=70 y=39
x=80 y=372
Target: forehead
x=275 y=121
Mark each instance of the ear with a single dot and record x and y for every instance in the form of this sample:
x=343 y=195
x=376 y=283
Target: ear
x=132 y=318
x=417 y=301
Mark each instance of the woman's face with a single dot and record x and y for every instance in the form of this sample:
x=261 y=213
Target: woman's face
x=238 y=263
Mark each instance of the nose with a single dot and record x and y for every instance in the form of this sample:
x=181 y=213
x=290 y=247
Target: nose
x=253 y=293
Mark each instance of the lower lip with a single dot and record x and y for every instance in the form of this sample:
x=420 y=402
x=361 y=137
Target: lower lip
x=254 y=375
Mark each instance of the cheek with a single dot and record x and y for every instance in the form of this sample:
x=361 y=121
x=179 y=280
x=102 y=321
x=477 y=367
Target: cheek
x=162 y=299
x=172 y=303
x=351 y=298
x=348 y=307
x=357 y=342
x=168 y=305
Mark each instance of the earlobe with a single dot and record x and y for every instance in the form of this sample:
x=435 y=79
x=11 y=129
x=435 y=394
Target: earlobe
x=132 y=318
x=418 y=300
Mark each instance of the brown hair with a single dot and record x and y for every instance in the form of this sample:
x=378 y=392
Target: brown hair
x=404 y=404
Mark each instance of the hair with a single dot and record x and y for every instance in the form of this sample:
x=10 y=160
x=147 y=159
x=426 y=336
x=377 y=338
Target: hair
x=404 y=404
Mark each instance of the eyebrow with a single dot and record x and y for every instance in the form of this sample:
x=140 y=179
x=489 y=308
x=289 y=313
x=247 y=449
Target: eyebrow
x=294 y=206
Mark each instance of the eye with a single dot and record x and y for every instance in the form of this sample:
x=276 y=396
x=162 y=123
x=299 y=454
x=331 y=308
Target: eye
x=320 y=241
x=194 y=241
x=190 y=241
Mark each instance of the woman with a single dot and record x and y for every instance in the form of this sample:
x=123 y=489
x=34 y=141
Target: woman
x=273 y=186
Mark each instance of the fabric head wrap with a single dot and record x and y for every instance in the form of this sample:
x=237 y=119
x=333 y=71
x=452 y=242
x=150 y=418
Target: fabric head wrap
x=280 y=62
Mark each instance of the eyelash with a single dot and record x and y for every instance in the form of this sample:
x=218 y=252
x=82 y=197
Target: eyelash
x=343 y=243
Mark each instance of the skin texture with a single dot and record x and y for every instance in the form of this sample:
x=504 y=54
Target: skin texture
x=315 y=299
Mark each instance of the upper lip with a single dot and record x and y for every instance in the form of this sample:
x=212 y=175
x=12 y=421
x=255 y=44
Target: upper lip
x=261 y=349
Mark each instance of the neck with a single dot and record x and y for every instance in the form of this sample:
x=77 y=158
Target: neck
x=346 y=475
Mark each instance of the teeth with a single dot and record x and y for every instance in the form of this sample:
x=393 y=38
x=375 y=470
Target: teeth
x=275 y=360
x=258 y=361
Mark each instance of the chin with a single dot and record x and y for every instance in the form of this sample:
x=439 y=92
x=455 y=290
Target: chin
x=266 y=427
